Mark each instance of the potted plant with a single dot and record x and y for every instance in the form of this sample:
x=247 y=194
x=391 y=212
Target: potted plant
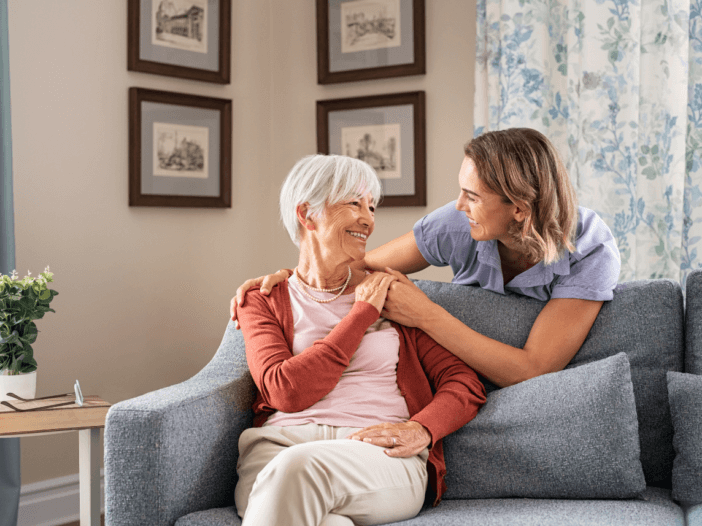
x=21 y=302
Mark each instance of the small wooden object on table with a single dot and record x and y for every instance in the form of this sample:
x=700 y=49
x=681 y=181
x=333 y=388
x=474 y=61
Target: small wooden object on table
x=61 y=414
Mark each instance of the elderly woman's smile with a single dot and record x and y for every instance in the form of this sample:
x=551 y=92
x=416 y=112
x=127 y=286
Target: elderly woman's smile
x=344 y=228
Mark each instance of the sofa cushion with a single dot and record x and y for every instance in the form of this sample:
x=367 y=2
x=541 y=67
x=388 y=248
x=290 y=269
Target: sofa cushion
x=644 y=320
x=693 y=322
x=693 y=514
x=570 y=434
x=213 y=517
x=685 y=394
x=653 y=509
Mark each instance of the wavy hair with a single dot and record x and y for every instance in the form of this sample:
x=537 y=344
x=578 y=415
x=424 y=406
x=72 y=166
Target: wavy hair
x=522 y=166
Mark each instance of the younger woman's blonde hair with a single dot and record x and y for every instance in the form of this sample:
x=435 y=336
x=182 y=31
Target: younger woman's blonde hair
x=522 y=166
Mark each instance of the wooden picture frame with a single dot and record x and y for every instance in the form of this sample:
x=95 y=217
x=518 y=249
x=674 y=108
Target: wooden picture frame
x=180 y=150
x=369 y=39
x=196 y=44
x=388 y=132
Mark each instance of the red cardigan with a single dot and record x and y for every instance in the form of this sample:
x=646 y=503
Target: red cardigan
x=442 y=392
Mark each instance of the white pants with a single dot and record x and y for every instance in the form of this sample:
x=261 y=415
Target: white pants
x=309 y=475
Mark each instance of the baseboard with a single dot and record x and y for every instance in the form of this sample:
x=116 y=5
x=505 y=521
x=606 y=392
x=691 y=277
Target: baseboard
x=53 y=502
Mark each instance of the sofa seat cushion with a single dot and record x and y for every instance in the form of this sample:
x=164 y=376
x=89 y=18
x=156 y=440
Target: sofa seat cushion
x=569 y=434
x=694 y=515
x=685 y=394
x=653 y=508
x=213 y=517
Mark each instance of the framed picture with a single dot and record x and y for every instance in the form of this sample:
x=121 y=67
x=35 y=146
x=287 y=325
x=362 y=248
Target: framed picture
x=369 y=39
x=386 y=131
x=190 y=39
x=180 y=149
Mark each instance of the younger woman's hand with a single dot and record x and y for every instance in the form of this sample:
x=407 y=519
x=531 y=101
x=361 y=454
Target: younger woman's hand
x=374 y=289
x=266 y=282
x=406 y=304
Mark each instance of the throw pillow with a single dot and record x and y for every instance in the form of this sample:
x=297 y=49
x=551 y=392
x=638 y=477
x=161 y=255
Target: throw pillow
x=684 y=395
x=571 y=434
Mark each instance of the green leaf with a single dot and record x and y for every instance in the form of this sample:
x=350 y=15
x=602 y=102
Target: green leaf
x=44 y=295
x=643 y=161
x=654 y=150
x=610 y=23
x=28 y=367
x=12 y=338
x=30 y=333
x=28 y=353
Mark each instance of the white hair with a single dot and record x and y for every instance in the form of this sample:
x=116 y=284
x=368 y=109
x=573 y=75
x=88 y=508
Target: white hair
x=323 y=180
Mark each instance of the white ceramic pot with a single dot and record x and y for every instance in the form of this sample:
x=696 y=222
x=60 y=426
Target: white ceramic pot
x=24 y=385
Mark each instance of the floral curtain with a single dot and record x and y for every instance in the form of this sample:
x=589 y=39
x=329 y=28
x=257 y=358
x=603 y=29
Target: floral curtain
x=617 y=86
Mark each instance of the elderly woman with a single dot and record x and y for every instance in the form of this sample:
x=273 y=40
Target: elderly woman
x=515 y=227
x=351 y=408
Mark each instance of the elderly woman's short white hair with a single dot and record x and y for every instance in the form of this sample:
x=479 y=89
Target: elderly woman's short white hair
x=323 y=180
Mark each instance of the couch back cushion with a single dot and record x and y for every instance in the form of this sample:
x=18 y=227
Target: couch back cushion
x=644 y=320
x=693 y=322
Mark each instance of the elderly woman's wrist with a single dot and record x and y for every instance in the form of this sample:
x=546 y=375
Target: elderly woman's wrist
x=426 y=431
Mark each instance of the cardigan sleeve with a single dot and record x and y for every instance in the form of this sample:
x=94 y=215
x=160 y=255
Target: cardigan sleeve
x=291 y=383
x=458 y=392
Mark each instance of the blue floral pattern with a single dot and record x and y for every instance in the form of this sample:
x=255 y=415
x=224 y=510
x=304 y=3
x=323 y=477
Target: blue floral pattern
x=617 y=86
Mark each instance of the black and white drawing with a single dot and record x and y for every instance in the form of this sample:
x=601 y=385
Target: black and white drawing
x=378 y=145
x=180 y=151
x=180 y=24
x=370 y=24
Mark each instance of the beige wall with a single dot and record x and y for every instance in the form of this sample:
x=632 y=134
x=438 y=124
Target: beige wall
x=144 y=292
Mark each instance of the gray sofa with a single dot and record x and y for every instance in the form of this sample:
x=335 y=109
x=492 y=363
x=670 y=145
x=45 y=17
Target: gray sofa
x=596 y=444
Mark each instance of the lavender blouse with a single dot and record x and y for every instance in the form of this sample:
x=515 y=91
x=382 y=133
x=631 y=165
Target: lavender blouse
x=590 y=273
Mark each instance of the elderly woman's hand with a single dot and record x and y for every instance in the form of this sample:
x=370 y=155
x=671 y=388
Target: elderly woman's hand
x=374 y=289
x=410 y=438
x=406 y=304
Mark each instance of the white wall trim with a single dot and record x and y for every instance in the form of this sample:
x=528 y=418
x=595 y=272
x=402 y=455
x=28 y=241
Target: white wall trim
x=53 y=502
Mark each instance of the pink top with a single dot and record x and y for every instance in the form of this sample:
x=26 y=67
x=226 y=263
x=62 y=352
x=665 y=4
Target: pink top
x=370 y=380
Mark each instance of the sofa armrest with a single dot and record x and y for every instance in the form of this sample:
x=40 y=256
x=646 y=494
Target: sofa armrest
x=174 y=451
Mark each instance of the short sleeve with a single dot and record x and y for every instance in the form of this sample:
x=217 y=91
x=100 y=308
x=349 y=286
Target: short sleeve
x=594 y=266
x=433 y=235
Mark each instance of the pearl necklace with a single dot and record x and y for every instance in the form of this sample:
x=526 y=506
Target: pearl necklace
x=302 y=289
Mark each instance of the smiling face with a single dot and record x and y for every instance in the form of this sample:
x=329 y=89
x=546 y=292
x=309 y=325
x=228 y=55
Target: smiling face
x=342 y=231
x=490 y=217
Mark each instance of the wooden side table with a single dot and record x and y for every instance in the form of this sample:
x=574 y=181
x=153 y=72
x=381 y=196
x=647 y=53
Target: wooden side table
x=87 y=420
